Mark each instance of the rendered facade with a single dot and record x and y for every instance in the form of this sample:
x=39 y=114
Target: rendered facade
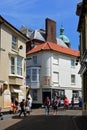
x=51 y=67
x=12 y=64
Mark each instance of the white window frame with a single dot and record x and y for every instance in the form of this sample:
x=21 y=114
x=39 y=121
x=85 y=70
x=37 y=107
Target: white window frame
x=29 y=74
x=57 y=77
x=14 y=42
x=19 y=66
x=73 y=79
x=55 y=60
x=72 y=62
x=16 y=65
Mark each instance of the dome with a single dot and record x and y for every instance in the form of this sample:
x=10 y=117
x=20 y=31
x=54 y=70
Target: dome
x=62 y=36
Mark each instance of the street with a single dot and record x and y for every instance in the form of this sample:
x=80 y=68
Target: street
x=64 y=120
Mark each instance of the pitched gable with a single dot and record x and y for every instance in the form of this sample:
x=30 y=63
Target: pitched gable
x=54 y=47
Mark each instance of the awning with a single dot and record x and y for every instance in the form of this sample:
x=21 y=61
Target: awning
x=17 y=90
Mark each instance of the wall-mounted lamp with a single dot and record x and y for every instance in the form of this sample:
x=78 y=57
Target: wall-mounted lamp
x=20 y=47
x=77 y=60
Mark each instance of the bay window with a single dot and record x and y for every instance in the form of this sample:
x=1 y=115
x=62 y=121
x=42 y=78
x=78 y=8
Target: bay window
x=33 y=74
x=16 y=65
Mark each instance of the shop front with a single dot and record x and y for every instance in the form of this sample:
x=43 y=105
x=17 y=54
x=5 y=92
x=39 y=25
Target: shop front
x=16 y=93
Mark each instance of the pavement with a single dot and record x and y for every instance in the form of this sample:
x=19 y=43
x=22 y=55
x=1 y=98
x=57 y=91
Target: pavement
x=63 y=120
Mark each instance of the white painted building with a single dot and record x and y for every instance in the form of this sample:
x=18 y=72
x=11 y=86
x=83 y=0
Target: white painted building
x=51 y=70
x=51 y=65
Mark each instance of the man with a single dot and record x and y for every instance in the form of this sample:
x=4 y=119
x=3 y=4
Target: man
x=22 y=106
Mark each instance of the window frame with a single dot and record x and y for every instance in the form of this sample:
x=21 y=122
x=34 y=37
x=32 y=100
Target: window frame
x=15 y=71
x=72 y=62
x=34 y=60
x=35 y=94
x=73 y=79
x=14 y=42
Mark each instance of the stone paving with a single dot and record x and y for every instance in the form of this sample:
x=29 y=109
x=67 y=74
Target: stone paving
x=64 y=120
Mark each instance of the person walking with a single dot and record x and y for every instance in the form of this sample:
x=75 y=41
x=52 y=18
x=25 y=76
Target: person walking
x=66 y=103
x=28 y=105
x=47 y=105
x=16 y=105
x=55 y=104
x=22 y=106
x=80 y=102
x=72 y=103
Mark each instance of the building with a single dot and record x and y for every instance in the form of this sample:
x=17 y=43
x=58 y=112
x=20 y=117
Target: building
x=82 y=29
x=12 y=64
x=50 y=66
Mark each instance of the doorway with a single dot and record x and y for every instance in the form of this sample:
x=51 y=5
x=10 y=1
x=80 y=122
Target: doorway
x=45 y=94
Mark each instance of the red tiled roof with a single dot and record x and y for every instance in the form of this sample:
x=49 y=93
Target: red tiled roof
x=54 y=47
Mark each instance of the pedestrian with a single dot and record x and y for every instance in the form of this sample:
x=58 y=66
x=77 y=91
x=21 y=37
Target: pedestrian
x=80 y=102
x=22 y=106
x=13 y=107
x=28 y=105
x=47 y=105
x=55 y=104
x=66 y=103
x=16 y=105
x=72 y=103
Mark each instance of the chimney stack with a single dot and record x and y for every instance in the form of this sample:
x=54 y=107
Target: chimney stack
x=50 y=30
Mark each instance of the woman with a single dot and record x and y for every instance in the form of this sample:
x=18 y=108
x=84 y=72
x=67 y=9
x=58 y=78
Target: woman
x=66 y=102
x=47 y=105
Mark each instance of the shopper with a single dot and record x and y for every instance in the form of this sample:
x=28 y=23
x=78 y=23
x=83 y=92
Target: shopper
x=47 y=105
x=55 y=104
x=22 y=106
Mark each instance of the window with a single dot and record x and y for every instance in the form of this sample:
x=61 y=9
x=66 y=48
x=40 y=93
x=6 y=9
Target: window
x=19 y=66
x=73 y=79
x=12 y=65
x=75 y=93
x=55 y=59
x=14 y=42
x=55 y=77
x=35 y=95
x=61 y=93
x=28 y=73
x=34 y=60
x=34 y=74
x=16 y=65
x=72 y=62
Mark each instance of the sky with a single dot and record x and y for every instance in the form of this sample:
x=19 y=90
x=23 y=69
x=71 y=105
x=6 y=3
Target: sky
x=32 y=14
